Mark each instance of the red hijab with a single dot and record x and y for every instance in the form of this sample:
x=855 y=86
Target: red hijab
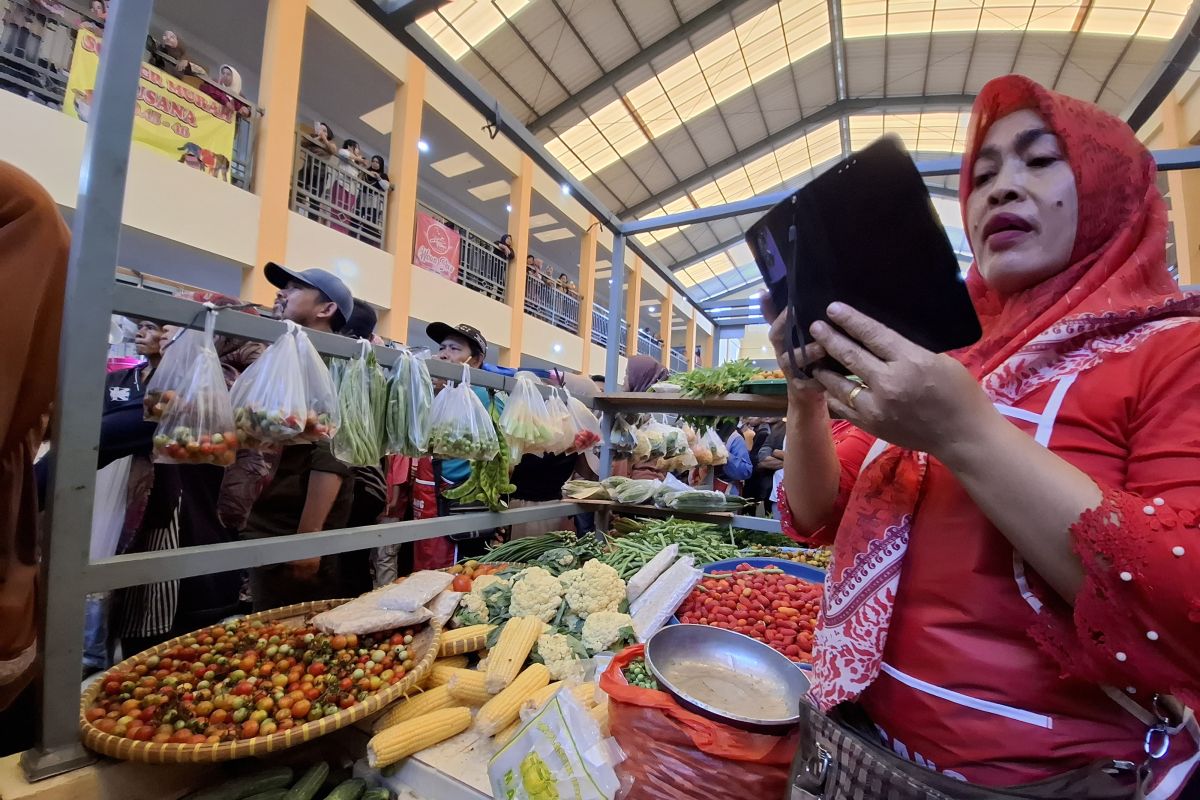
x=1118 y=274
x=1115 y=293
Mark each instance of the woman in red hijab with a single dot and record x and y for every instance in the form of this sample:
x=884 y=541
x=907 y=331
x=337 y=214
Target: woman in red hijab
x=1016 y=579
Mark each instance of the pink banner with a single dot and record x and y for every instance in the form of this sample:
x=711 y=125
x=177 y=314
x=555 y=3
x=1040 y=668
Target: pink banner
x=436 y=247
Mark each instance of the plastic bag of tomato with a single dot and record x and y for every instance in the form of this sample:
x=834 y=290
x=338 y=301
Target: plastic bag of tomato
x=254 y=685
x=764 y=602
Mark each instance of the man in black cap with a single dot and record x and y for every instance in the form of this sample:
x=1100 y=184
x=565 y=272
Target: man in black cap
x=313 y=298
x=311 y=491
x=459 y=344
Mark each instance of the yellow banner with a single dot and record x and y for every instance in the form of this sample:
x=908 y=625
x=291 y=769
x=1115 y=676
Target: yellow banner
x=171 y=116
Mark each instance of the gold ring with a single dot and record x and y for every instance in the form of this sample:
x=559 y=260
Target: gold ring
x=853 y=394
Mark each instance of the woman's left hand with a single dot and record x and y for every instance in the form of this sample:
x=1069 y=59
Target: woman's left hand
x=913 y=398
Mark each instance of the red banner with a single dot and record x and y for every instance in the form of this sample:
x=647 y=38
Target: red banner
x=436 y=247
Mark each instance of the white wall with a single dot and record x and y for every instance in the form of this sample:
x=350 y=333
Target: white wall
x=545 y=341
x=435 y=299
x=366 y=270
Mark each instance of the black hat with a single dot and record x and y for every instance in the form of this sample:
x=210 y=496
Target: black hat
x=440 y=331
x=362 y=322
x=326 y=282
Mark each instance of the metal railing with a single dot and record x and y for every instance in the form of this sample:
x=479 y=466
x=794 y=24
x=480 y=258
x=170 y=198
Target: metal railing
x=548 y=301
x=481 y=268
x=332 y=190
x=648 y=345
x=36 y=47
x=678 y=362
x=600 y=328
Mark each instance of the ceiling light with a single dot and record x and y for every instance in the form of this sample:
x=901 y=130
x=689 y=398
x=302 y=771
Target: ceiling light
x=508 y=208
x=653 y=309
x=423 y=145
x=566 y=188
x=558 y=348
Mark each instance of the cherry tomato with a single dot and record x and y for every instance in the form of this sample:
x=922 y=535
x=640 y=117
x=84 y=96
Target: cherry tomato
x=461 y=583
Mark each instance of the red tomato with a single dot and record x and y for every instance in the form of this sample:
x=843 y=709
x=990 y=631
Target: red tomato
x=461 y=583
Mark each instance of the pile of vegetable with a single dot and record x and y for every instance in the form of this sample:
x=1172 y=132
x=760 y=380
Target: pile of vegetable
x=185 y=447
x=643 y=539
x=488 y=481
x=638 y=674
x=766 y=604
x=579 y=613
x=557 y=551
x=819 y=557
x=246 y=679
x=713 y=381
x=280 y=783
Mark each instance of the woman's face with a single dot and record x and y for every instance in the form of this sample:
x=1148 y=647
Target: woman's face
x=170 y=39
x=328 y=134
x=98 y=11
x=1023 y=209
x=226 y=76
x=377 y=163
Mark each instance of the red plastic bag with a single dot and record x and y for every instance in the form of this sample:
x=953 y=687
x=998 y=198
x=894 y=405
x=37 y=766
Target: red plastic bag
x=673 y=754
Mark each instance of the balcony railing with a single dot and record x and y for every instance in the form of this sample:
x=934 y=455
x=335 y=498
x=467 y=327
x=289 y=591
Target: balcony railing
x=600 y=328
x=36 y=49
x=332 y=190
x=678 y=360
x=547 y=301
x=650 y=346
x=481 y=268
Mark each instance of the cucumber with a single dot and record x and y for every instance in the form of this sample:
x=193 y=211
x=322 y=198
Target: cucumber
x=378 y=793
x=238 y=788
x=307 y=787
x=270 y=794
x=348 y=790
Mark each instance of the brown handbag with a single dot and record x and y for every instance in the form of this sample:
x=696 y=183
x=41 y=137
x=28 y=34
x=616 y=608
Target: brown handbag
x=840 y=758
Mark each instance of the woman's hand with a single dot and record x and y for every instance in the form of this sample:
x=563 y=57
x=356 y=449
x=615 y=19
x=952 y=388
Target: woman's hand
x=912 y=397
x=801 y=388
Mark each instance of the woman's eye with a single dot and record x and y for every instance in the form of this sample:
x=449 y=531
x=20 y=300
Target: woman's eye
x=982 y=178
x=1042 y=161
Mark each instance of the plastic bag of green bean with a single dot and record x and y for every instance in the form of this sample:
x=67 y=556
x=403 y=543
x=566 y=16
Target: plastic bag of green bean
x=460 y=427
x=410 y=400
x=362 y=398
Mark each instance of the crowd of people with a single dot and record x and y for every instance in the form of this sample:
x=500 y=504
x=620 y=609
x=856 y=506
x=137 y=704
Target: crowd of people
x=537 y=271
x=341 y=186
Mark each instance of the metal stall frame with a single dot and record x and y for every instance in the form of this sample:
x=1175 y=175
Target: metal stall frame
x=67 y=572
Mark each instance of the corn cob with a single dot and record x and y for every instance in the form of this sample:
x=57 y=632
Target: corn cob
x=516 y=641
x=400 y=741
x=505 y=736
x=440 y=676
x=470 y=687
x=414 y=706
x=585 y=693
x=461 y=641
x=539 y=698
x=503 y=709
x=458 y=662
x=599 y=713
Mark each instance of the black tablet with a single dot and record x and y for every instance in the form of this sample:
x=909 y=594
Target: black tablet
x=865 y=233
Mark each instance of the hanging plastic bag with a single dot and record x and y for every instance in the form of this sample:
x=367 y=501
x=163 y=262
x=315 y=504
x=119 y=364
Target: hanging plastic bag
x=716 y=449
x=526 y=421
x=178 y=360
x=362 y=397
x=268 y=398
x=460 y=426
x=197 y=425
x=420 y=403
x=641 y=448
x=323 y=414
x=563 y=423
x=656 y=432
x=396 y=425
x=674 y=754
x=587 y=427
x=622 y=438
x=675 y=442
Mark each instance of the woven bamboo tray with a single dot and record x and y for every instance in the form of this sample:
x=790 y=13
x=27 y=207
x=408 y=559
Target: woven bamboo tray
x=425 y=642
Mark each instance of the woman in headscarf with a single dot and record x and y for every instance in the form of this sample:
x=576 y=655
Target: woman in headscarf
x=171 y=56
x=1015 y=586
x=181 y=505
x=33 y=261
x=226 y=90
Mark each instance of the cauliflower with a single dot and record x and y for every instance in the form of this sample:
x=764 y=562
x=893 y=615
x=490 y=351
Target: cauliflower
x=556 y=652
x=484 y=581
x=594 y=587
x=471 y=610
x=604 y=628
x=535 y=593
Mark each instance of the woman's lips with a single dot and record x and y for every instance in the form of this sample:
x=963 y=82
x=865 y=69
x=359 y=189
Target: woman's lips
x=1006 y=230
x=1006 y=239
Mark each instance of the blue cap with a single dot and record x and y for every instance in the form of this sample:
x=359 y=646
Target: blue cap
x=328 y=283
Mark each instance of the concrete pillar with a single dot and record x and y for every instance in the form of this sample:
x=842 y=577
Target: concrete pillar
x=1184 y=188
x=404 y=160
x=664 y=324
x=689 y=348
x=587 y=289
x=633 y=307
x=521 y=200
x=275 y=146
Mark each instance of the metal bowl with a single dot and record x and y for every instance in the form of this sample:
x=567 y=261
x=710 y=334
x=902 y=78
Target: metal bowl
x=677 y=652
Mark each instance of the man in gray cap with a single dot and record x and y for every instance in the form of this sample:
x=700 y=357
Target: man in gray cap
x=313 y=298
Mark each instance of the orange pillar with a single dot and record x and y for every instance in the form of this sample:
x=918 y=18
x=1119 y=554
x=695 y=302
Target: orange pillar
x=665 y=320
x=521 y=200
x=587 y=289
x=689 y=347
x=633 y=307
x=710 y=352
x=275 y=146
x=405 y=160
x=1184 y=188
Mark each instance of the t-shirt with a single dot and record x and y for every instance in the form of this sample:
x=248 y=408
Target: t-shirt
x=541 y=478
x=278 y=510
